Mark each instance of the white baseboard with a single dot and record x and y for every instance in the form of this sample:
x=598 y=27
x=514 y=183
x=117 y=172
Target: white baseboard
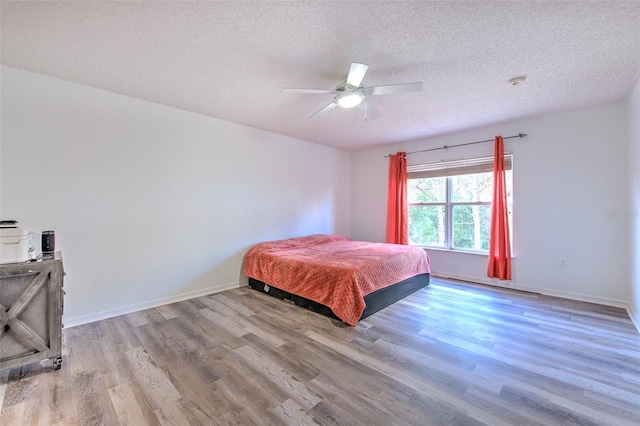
x=110 y=313
x=487 y=281
x=547 y=292
x=635 y=318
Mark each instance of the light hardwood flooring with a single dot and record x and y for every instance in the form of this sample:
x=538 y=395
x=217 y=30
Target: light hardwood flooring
x=449 y=354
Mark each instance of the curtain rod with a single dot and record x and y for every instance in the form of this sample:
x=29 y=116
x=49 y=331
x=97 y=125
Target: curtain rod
x=519 y=135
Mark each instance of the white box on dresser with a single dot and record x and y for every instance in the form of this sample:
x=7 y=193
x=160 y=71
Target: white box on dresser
x=15 y=245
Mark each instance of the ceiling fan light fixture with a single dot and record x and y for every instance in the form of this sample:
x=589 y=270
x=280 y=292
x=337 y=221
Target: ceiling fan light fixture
x=349 y=99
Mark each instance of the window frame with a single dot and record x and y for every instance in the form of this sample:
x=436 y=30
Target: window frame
x=449 y=170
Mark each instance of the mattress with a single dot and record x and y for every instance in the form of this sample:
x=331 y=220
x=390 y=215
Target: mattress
x=334 y=271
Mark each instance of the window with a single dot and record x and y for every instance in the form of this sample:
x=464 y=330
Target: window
x=450 y=203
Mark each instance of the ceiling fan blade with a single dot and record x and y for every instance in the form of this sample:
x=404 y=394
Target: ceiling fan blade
x=324 y=110
x=370 y=112
x=356 y=74
x=313 y=91
x=393 y=88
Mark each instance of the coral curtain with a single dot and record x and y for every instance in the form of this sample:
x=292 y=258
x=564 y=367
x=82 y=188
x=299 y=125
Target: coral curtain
x=397 y=209
x=499 y=241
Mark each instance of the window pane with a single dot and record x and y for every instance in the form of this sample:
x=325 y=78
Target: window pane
x=470 y=188
x=427 y=225
x=428 y=190
x=509 y=182
x=471 y=227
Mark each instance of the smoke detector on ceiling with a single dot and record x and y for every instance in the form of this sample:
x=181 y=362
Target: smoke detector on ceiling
x=517 y=81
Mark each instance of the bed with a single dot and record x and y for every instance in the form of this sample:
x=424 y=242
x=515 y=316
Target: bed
x=336 y=276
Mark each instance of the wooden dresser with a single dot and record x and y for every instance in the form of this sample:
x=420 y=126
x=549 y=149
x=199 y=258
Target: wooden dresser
x=31 y=306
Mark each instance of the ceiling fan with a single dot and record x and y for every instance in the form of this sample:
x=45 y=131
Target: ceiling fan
x=349 y=93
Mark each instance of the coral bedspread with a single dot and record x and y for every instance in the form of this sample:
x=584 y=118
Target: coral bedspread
x=334 y=270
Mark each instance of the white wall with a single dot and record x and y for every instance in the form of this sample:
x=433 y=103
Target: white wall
x=1 y=71
x=569 y=176
x=633 y=119
x=149 y=203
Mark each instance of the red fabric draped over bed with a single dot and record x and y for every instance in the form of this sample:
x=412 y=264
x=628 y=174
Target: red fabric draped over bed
x=334 y=270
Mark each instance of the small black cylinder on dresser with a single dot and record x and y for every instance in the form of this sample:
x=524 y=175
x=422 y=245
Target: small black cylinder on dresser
x=48 y=241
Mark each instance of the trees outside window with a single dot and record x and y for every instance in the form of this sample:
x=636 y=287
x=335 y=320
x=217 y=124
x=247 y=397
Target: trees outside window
x=452 y=212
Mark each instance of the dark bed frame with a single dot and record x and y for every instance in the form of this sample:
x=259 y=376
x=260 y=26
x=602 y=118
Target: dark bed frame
x=375 y=301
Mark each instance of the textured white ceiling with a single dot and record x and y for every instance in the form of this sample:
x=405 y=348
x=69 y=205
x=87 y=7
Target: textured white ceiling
x=231 y=60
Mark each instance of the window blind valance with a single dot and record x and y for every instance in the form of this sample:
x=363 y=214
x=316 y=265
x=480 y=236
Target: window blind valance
x=466 y=166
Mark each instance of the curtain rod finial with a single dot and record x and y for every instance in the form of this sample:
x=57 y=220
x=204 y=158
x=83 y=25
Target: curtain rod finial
x=522 y=135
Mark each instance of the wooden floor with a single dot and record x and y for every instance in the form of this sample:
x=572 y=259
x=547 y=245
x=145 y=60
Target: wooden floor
x=450 y=354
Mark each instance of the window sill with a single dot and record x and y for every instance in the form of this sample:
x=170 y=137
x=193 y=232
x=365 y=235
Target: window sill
x=446 y=250
x=480 y=253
